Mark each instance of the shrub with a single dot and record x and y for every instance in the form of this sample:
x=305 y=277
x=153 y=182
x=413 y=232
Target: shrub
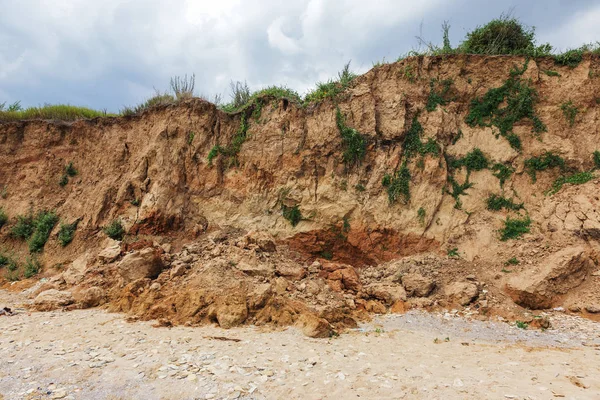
x=66 y=233
x=475 y=160
x=292 y=214
x=3 y=217
x=596 y=157
x=570 y=58
x=496 y=203
x=569 y=111
x=332 y=88
x=504 y=35
x=23 y=228
x=32 y=267
x=115 y=230
x=44 y=223
x=398 y=185
x=70 y=169
x=515 y=228
x=439 y=93
x=355 y=145
x=545 y=161
x=578 y=178
x=183 y=87
x=159 y=99
x=240 y=96
x=64 y=180
x=502 y=172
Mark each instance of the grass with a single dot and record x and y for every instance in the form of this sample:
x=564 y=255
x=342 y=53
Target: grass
x=292 y=214
x=44 y=223
x=596 y=158
x=70 y=169
x=502 y=172
x=23 y=228
x=521 y=324
x=355 y=145
x=577 y=178
x=453 y=253
x=519 y=98
x=234 y=148
x=439 y=93
x=67 y=233
x=331 y=89
x=569 y=111
x=115 y=230
x=504 y=35
x=3 y=217
x=32 y=267
x=398 y=185
x=421 y=215
x=474 y=160
x=496 y=203
x=546 y=161
x=514 y=228
x=550 y=72
x=512 y=261
x=242 y=98
x=64 y=180
x=63 y=112
x=159 y=99
x=412 y=144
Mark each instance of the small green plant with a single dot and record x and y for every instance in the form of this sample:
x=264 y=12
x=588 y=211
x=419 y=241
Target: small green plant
x=458 y=190
x=398 y=185
x=332 y=88
x=453 y=253
x=506 y=271
x=521 y=324
x=236 y=143
x=439 y=93
x=360 y=187
x=115 y=230
x=497 y=203
x=66 y=233
x=514 y=228
x=64 y=179
x=326 y=254
x=44 y=223
x=551 y=73
x=355 y=145
x=23 y=228
x=32 y=267
x=214 y=152
x=570 y=58
x=3 y=217
x=135 y=202
x=421 y=215
x=578 y=178
x=70 y=169
x=346 y=224
x=502 y=172
x=545 y=161
x=596 y=157
x=292 y=214
x=512 y=261
x=191 y=136
x=569 y=111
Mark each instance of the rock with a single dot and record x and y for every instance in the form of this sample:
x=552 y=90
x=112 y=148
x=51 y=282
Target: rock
x=231 y=312
x=291 y=271
x=314 y=327
x=52 y=299
x=399 y=307
x=539 y=288
x=542 y=322
x=92 y=297
x=259 y=296
x=417 y=285
x=177 y=270
x=141 y=264
x=375 y=306
x=387 y=293
x=110 y=253
x=280 y=285
x=59 y=394
x=257 y=269
x=462 y=293
x=75 y=272
x=593 y=309
x=348 y=277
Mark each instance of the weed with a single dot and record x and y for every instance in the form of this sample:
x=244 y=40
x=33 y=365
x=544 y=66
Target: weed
x=135 y=202
x=159 y=99
x=355 y=145
x=64 y=180
x=70 y=169
x=515 y=228
x=596 y=157
x=292 y=214
x=23 y=228
x=326 y=254
x=191 y=136
x=578 y=178
x=183 y=87
x=421 y=215
x=521 y=324
x=458 y=190
x=360 y=187
x=512 y=261
x=496 y=203
x=115 y=230
x=550 y=72
x=236 y=143
x=398 y=185
x=408 y=73
x=504 y=35
x=332 y=88
x=345 y=224
x=570 y=58
x=32 y=267
x=453 y=253
x=438 y=93
x=3 y=217
x=214 y=151
x=44 y=223
x=569 y=111
x=506 y=271
x=545 y=161
x=502 y=172
x=66 y=233
x=475 y=160
x=240 y=96
x=457 y=137
x=430 y=147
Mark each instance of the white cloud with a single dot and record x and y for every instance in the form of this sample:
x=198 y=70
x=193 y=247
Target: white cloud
x=580 y=28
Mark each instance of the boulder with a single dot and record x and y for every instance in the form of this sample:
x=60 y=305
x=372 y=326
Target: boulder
x=388 y=293
x=540 y=287
x=348 y=278
x=256 y=269
x=52 y=299
x=230 y=313
x=110 y=253
x=462 y=293
x=140 y=264
x=91 y=297
x=417 y=285
x=177 y=270
x=75 y=272
x=291 y=271
x=314 y=327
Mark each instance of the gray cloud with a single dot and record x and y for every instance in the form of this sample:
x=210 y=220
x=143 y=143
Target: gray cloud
x=112 y=53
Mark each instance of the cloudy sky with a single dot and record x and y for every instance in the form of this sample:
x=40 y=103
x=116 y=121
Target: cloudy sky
x=111 y=53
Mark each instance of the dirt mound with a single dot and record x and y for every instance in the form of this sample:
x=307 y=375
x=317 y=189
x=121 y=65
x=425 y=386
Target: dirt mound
x=270 y=216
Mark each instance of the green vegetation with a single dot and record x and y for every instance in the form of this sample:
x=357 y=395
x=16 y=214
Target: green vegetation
x=453 y=253
x=570 y=112
x=421 y=215
x=398 y=185
x=596 y=157
x=512 y=261
x=234 y=148
x=412 y=144
x=497 y=203
x=332 y=88
x=32 y=267
x=504 y=35
x=360 y=187
x=519 y=98
x=545 y=161
x=44 y=223
x=64 y=180
x=550 y=72
x=571 y=58
x=514 y=228
x=521 y=324
x=242 y=98
x=502 y=172
x=66 y=233
x=70 y=169
x=159 y=99
x=292 y=214
x=355 y=145
x=115 y=230
x=577 y=178
x=3 y=217
x=458 y=190
x=23 y=228
x=439 y=93
x=327 y=254
x=63 y=112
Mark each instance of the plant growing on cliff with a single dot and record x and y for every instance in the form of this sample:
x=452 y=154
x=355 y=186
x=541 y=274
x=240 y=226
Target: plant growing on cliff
x=3 y=217
x=502 y=172
x=439 y=93
x=496 y=203
x=458 y=190
x=577 y=178
x=115 y=230
x=43 y=223
x=541 y=163
x=596 y=158
x=332 y=88
x=70 y=169
x=32 y=267
x=421 y=215
x=292 y=214
x=355 y=145
x=67 y=233
x=398 y=185
x=453 y=253
x=569 y=111
x=183 y=87
x=514 y=228
x=23 y=228
x=236 y=143
x=512 y=261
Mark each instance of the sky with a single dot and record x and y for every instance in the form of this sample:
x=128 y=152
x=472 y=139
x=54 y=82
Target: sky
x=114 y=53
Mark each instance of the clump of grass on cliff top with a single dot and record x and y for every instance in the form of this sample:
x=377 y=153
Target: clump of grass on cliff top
x=355 y=145
x=63 y=112
x=332 y=88
x=241 y=97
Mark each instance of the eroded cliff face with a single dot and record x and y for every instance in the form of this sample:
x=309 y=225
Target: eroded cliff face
x=152 y=171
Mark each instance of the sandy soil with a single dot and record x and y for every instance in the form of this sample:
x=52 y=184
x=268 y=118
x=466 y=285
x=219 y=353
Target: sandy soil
x=92 y=354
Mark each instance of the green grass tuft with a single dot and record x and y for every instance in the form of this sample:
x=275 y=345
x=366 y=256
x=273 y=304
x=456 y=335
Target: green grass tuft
x=421 y=215
x=504 y=35
x=115 y=230
x=550 y=72
x=63 y=112
x=3 y=217
x=596 y=158
x=44 y=223
x=497 y=203
x=515 y=228
x=332 y=88
x=439 y=93
x=502 y=172
x=512 y=261
x=23 y=228
x=66 y=233
x=292 y=214
x=32 y=267
x=398 y=185
x=578 y=178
